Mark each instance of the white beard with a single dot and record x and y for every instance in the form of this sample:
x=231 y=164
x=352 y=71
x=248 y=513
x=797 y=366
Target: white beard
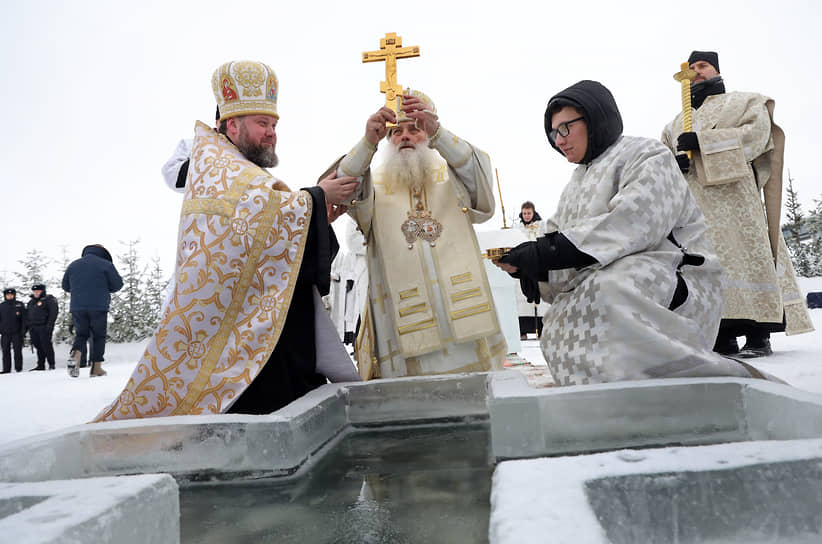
x=413 y=169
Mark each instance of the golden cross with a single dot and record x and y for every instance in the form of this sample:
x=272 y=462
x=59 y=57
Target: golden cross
x=685 y=77
x=391 y=49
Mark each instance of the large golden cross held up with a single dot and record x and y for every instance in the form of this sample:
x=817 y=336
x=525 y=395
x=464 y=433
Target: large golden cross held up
x=390 y=50
x=685 y=77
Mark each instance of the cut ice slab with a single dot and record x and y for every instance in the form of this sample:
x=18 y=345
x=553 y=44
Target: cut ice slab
x=743 y=492
x=112 y=509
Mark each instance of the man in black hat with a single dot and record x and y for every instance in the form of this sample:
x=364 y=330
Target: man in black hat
x=41 y=315
x=12 y=329
x=736 y=158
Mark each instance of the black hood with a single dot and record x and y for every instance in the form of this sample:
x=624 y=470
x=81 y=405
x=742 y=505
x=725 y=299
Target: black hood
x=601 y=114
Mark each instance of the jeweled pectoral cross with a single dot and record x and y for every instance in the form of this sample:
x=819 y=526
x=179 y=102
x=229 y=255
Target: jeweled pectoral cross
x=685 y=77
x=390 y=50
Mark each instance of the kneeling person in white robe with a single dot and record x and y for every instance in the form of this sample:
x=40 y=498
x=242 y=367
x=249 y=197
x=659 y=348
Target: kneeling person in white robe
x=634 y=287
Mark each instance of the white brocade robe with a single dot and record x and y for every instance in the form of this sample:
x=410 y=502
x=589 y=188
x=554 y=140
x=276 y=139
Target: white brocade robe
x=430 y=307
x=727 y=176
x=610 y=321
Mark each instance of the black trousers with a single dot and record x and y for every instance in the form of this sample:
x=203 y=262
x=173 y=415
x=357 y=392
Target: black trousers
x=731 y=328
x=530 y=324
x=12 y=341
x=41 y=338
x=90 y=324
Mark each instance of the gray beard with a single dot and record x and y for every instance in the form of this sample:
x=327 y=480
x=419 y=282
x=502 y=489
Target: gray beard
x=410 y=169
x=262 y=156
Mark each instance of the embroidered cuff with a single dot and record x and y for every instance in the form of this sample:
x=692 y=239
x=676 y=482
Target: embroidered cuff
x=358 y=159
x=455 y=151
x=432 y=141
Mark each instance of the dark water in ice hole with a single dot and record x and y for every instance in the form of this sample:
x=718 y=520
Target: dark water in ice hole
x=422 y=484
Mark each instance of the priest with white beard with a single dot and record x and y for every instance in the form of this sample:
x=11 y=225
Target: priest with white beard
x=429 y=307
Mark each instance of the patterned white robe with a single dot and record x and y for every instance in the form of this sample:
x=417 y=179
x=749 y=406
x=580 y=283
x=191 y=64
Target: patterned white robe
x=610 y=321
x=735 y=162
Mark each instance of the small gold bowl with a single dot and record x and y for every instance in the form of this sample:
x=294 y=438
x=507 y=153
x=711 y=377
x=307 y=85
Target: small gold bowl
x=494 y=254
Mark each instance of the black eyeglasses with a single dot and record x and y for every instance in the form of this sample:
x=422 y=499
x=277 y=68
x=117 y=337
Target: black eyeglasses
x=562 y=129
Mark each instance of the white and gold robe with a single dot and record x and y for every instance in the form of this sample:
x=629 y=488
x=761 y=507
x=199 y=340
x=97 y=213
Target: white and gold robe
x=240 y=244
x=739 y=157
x=429 y=309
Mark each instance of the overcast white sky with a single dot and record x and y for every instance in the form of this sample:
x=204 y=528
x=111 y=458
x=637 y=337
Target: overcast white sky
x=97 y=93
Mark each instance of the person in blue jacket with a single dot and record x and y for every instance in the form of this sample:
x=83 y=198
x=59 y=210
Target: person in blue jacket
x=90 y=279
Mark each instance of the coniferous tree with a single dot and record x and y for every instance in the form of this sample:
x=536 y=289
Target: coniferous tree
x=154 y=295
x=127 y=312
x=794 y=209
x=814 y=224
x=64 y=328
x=34 y=265
x=799 y=252
x=6 y=279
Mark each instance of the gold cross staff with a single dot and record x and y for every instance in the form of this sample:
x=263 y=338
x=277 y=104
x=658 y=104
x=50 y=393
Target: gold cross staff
x=390 y=50
x=685 y=77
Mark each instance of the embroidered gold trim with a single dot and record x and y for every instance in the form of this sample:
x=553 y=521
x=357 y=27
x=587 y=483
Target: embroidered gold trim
x=210 y=206
x=473 y=310
x=415 y=309
x=197 y=389
x=418 y=326
x=467 y=293
x=408 y=293
x=220 y=339
x=460 y=278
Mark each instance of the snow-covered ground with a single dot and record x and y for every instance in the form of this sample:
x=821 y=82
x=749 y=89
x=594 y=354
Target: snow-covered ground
x=38 y=402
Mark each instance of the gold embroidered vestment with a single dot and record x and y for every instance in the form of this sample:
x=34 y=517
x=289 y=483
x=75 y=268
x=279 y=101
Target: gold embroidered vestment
x=240 y=244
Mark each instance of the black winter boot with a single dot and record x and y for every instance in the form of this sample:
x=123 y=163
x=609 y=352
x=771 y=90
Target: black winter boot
x=756 y=346
x=726 y=345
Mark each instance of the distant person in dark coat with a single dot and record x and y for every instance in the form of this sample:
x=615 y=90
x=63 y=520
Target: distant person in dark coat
x=12 y=328
x=41 y=315
x=90 y=279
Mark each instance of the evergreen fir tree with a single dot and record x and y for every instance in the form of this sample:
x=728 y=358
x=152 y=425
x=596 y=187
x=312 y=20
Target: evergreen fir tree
x=800 y=256
x=154 y=294
x=127 y=310
x=34 y=265
x=6 y=279
x=814 y=248
x=64 y=328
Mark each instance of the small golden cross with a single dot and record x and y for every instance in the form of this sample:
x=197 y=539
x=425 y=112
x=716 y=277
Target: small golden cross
x=390 y=50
